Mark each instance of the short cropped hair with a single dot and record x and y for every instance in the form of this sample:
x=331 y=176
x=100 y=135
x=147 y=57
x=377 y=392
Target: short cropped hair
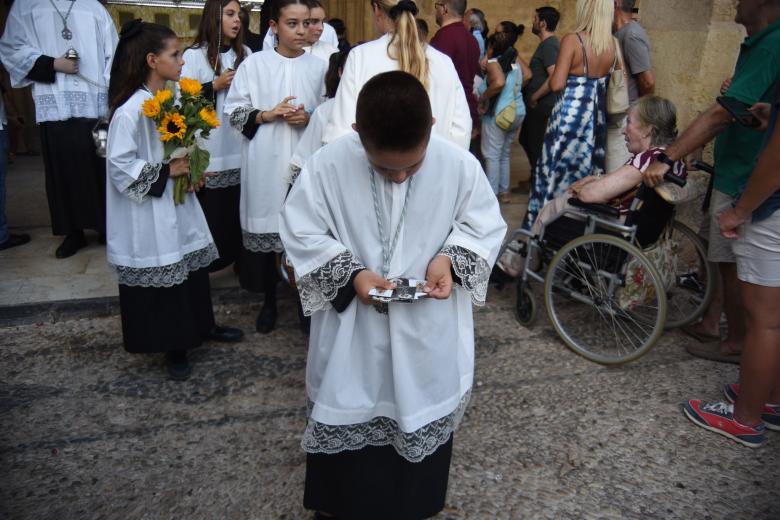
x=457 y=6
x=393 y=113
x=550 y=16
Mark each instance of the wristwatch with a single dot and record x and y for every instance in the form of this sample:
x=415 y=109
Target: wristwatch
x=662 y=157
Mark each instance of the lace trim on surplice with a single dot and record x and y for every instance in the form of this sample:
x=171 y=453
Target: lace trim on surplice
x=318 y=288
x=381 y=431
x=167 y=275
x=224 y=179
x=262 y=242
x=239 y=117
x=472 y=269
x=150 y=174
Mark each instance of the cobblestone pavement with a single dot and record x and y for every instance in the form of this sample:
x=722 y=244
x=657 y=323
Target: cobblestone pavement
x=91 y=432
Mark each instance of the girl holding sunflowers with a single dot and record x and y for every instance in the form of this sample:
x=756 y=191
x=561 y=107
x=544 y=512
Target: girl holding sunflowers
x=212 y=60
x=159 y=249
x=270 y=101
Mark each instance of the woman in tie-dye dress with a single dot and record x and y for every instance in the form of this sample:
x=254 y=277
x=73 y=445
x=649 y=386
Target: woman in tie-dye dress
x=576 y=137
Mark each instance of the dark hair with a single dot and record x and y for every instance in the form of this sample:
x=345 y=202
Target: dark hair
x=512 y=30
x=278 y=5
x=129 y=70
x=265 y=17
x=210 y=35
x=393 y=112
x=422 y=27
x=333 y=75
x=457 y=6
x=338 y=25
x=627 y=6
x=550 y=16
x=502 y=44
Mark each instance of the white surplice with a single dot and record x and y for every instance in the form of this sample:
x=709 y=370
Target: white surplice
x=401 y=378
x=311 y=140
x=448 y=102
x=261 y=82
x=322 y=50
x=149 y=241
x=34 y=29
x=224 y=142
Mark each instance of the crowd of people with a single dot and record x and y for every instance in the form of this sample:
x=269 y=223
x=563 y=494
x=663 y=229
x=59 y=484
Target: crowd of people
x=327 y=169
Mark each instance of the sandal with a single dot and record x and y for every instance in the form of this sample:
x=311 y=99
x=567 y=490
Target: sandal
x=712 y=352
x=703 y=337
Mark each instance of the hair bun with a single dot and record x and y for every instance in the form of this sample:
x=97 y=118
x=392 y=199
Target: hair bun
x=403 y=6
x=130 y=29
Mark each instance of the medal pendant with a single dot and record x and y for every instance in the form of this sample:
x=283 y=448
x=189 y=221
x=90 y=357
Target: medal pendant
x=67 y=34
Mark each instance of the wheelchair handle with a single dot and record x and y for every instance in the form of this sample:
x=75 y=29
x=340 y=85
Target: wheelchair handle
x=703 y=166
x=674 y=179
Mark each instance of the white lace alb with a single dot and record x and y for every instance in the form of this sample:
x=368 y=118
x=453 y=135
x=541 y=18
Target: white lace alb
x=137 y=191
x=224 y=179
x=167 y=275
x=381 y=431
x=318 y=288
x=239 y=117
x=472 y=269
x=262 y=242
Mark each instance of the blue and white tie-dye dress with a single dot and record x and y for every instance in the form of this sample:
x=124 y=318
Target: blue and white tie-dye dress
x=574 y=143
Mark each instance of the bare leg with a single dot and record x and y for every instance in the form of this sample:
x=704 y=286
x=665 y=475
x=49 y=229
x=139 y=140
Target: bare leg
x=735 y=312
x=710 y=321
x=759 y=379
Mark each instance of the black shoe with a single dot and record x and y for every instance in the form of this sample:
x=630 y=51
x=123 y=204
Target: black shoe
x=72 y=243
x=15 y=240
x=266 y=320
x=225 y=334
x=178 y=365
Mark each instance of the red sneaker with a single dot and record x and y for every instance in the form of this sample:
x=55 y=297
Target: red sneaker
x=719 y=418
x=770 y=414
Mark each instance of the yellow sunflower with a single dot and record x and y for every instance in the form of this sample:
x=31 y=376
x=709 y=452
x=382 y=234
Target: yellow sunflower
x=151 y=108
x=190 y=86
x=172 y=126
x=209 y=116
x=163 y=95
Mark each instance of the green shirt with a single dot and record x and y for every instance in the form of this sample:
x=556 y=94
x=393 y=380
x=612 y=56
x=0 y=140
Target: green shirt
x=737 y=147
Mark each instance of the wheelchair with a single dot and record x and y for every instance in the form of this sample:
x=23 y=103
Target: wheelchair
x=612 y=287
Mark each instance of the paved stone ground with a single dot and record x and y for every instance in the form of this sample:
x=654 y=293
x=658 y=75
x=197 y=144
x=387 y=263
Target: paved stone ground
x=91 y=432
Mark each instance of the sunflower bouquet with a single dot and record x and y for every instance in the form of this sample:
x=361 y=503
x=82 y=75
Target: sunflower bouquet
x=181 y=124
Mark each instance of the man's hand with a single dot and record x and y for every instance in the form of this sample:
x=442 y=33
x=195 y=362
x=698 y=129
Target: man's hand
x=438 y=278
x=654 y=174
x=367 y=280
x=66 y=65
x=761 y=111
x=730 y=220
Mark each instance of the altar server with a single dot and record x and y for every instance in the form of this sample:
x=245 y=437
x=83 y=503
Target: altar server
x=63 y=48
x=400 y=48
x=212 y=60
x=316 y=43
x=160 y=251
x=270 y=101
x=388 y=382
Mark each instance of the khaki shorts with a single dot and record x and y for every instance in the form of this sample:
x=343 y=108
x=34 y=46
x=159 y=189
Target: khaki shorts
x=721 y=250
x=758 y=252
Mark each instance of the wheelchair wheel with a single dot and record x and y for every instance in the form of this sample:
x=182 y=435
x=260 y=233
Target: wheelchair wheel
x=605 y=299
x=526 y=308
x=694 y=276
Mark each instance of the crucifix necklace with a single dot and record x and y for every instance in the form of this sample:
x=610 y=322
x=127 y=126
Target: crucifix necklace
x=66 y=33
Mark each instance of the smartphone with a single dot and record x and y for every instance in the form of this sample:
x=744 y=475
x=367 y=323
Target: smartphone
x=739 y=111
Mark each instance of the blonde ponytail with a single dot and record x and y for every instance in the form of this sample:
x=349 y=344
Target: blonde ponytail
x=405 y=44
x=595 y=18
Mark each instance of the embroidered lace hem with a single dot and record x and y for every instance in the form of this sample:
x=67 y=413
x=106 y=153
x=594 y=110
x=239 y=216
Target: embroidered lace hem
x=239 y=117
x=381 y=431
x=262 y=242
x=167 y=275
x=140 y=187
x=293 y=174
x=472 y=269
x=318 y=288
x=224 y=179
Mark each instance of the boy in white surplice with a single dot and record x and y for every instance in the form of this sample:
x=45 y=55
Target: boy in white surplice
x=388 y=383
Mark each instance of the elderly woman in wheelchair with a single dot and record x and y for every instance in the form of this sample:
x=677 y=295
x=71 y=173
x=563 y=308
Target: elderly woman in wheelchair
x=617 y=269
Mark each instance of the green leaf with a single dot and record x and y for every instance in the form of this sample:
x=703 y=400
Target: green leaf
x=199 y=161
x=169 y=147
